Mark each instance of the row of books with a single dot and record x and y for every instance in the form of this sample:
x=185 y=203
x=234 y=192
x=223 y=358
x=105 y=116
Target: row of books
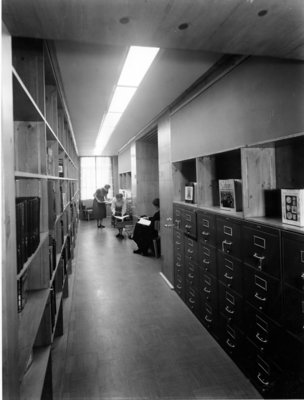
x=27 y=228
x=22 y=287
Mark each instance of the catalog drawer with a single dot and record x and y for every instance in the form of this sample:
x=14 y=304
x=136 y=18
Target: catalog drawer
x=232 y=339
x=179 y=262
x=263 y=292
x=206 y=227
x=293 y=310
x=231 y=305
x=191 y=272
x=191 y=248
x=207 y=258
x=177 y=216
x=189 y=222
x=230 y=271
x=263 y=371
x=264 y=333
x=261 y=247
x=208 y=288
x=179 y=284
x=191 y=299
x=229 y=236
x=293 y=259
x=178 y=241
x=209 y=317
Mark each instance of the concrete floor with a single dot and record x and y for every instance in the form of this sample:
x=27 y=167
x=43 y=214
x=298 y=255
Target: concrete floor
x=128 y=336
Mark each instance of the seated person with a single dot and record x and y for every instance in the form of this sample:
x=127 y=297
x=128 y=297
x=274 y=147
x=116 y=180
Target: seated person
x=118 y=209
x=143 y=235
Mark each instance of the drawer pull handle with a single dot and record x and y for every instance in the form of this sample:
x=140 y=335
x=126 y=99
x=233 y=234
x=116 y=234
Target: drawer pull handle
x=230 y=344
x=178 y=243
x=208 y=319
x=265 y=383
x=260 y=338
x=191 y=301
x=178 y=265
x=191 y=276
x=225 y=244
x=257 y=296
x=179 y=286
x=206 y=261
x=228 y=276
x=190 y=251
x=206 y=290
x=204 y=233
x=229 y=310
x=260 y=258
x=187 y=227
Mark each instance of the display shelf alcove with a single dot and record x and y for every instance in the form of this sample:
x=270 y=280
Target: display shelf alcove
x=183 y=173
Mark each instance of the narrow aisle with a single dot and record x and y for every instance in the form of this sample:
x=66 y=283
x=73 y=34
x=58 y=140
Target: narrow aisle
x=131 y=337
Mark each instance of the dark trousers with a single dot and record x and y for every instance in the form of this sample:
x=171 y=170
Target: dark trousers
x=143 y=236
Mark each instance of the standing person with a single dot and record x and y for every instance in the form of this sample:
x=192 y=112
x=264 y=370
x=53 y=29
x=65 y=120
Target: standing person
x=99 y=205
x=143 y=235
x=118 y=208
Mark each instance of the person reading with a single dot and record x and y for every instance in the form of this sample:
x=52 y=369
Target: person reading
x=145 y=232
x=99 y=205
x=118 y=209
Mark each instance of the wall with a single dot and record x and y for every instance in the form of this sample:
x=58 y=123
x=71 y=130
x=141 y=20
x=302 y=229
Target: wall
x=8 y=232
x=124 y=160
x=146 y=177
x=165 y=196
x=259 y=100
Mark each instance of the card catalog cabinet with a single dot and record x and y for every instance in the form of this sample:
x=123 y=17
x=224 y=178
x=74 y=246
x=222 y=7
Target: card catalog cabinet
x=245 y=283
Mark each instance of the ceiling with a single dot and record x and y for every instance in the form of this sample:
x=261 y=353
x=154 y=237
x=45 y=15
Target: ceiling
x=92 y=37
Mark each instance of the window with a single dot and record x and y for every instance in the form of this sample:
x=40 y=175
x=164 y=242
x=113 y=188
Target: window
x=95 y=172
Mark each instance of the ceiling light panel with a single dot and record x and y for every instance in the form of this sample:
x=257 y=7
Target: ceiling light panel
x=121 y=98
x=136 y=65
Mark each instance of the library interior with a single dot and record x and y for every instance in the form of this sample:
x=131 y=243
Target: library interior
x=152 y=216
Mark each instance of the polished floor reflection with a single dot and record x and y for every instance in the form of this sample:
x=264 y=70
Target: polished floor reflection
x=128 y=336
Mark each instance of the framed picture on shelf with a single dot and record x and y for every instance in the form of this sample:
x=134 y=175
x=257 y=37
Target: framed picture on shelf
x=189 y=194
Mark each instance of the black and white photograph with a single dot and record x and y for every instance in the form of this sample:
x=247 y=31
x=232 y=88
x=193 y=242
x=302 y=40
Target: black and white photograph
x=152 y=199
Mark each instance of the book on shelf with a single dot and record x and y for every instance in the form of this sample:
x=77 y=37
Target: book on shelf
x=27 y=228
x=60 y=168
x=230 y=192
x=51 y=204
x=22 y=287
x=53 y=304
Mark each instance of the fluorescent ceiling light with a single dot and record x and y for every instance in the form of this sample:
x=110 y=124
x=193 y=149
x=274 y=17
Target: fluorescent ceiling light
x=111 y=119
x=136 y=65
x=121 y=98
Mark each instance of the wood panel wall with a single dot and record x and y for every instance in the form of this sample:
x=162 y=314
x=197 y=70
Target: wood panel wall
x=261 y=99
x=165 y=196
x=9 y=288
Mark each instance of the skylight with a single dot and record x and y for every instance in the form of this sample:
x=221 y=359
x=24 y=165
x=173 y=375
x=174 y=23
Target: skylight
x=138 y=61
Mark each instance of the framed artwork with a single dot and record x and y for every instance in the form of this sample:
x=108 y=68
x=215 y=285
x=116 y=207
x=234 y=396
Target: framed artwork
x=189 y=194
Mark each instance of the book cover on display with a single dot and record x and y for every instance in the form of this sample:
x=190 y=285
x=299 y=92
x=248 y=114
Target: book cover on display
x=293 y=206
x=230 y=192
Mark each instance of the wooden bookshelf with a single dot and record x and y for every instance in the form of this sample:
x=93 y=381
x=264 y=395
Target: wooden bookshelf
x=263 y=169
x=45 y=166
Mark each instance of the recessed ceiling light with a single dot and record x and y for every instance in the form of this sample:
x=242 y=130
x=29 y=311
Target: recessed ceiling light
x=124 y=20
x=262 y=13
x=183 y=26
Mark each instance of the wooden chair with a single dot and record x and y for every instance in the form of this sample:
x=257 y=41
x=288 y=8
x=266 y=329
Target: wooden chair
x=87 y=209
